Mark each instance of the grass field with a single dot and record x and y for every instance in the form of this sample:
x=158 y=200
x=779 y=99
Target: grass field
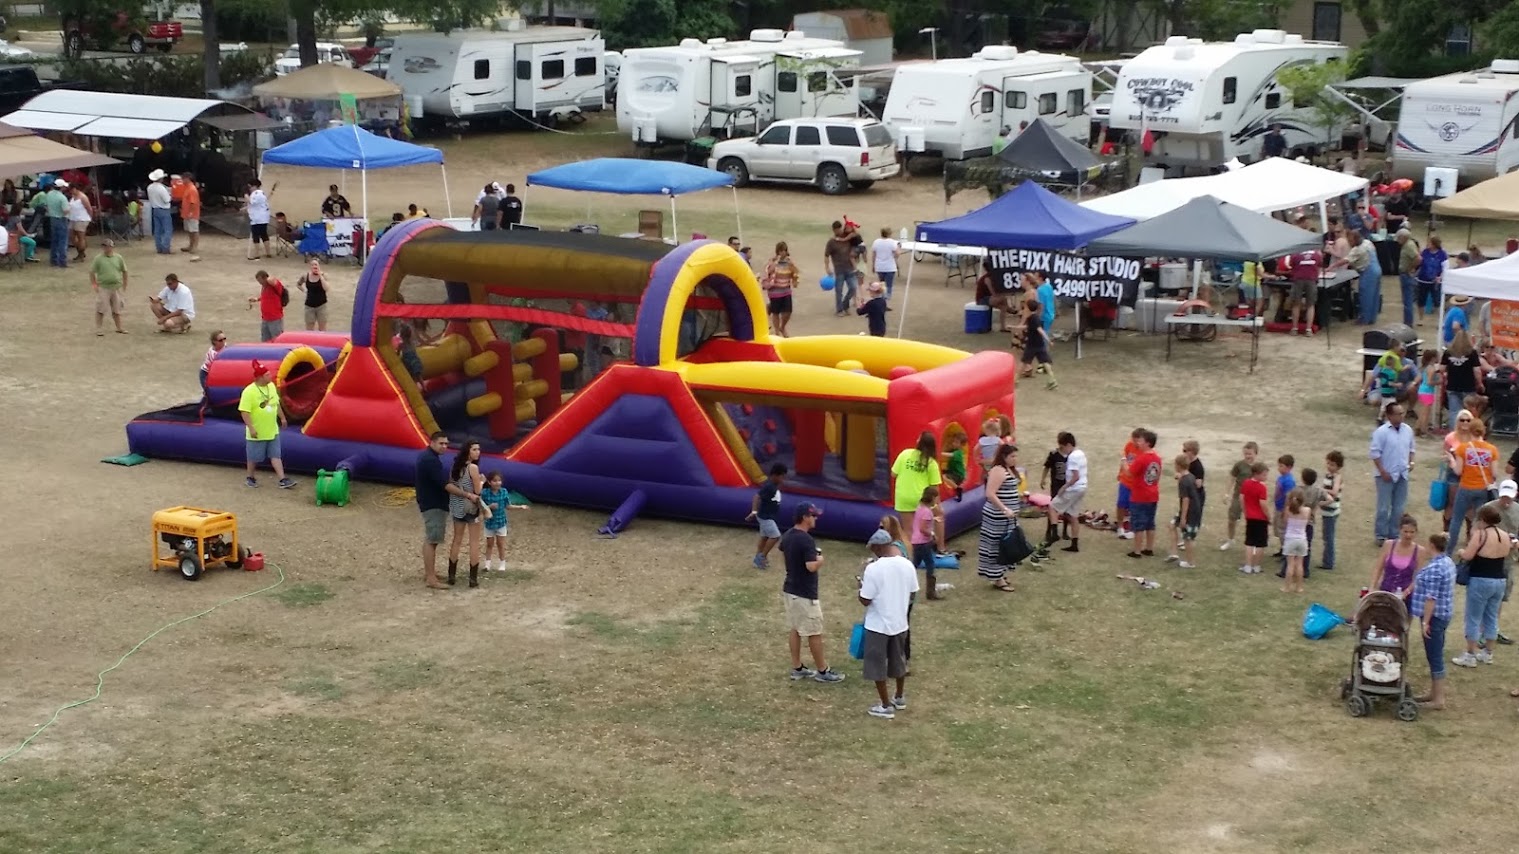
x=629 y=695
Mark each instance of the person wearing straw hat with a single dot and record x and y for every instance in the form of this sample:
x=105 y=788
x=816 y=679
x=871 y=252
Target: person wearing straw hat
x=161 y=209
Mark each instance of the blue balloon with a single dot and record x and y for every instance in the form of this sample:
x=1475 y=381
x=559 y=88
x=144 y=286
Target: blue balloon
x=827 y=283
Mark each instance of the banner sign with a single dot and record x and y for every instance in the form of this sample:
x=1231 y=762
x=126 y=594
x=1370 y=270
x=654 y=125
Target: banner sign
x=1505 y=320
x=1077 y=277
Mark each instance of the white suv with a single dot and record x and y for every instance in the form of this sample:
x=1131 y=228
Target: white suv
x=834 y=154
x=326 y=52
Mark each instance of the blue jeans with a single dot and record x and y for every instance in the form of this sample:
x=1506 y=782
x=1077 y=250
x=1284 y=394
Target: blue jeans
x=1453 y=406
x=844 y=287
x=1483 y=598
x=889 y=278
x=1329 y=523
x=1466 y=501
x=1370 y=290
x=58 y=241
x=1434 y=647
x=1390 y=500
x=163 y=229
x=1410 y=287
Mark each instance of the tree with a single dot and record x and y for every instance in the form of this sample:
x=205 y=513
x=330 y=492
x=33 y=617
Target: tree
x=1309 y=85
x=1500 y=35
x=649 y=23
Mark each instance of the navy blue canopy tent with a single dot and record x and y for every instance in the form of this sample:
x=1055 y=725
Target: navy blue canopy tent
x=351 y=147
x=1026 y=217
x=625 y=176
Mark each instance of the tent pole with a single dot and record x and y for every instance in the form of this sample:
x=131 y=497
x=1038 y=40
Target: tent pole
x=674 y=222
x=1079 y=304
x=448 y=199
x=738 y=220
x=364 y=182
x=912 y=261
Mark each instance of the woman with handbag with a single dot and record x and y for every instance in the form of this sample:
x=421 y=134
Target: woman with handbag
x=1475 y=464
x=1454 y=439
x=999 y=515
x=1483 y=557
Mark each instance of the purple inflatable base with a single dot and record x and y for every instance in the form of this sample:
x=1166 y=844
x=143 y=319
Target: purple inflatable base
x=221 y=441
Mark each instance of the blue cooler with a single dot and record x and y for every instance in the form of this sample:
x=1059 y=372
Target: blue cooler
x=978 y=319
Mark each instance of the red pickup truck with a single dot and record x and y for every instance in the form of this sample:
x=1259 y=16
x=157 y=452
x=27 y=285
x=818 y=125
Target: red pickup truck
x=121 y=30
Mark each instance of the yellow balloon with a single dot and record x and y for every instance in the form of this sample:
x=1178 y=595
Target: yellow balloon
x=157 y=147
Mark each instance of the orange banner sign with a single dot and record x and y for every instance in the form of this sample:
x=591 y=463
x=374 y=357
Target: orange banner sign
x=1505 y=317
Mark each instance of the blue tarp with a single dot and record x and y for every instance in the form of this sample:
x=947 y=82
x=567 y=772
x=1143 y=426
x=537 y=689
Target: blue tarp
x=350 y=147
x=630 y=177
x=1027 y=217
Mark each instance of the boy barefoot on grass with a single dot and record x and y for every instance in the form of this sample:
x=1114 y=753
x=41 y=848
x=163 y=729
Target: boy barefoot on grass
x=1189 y=514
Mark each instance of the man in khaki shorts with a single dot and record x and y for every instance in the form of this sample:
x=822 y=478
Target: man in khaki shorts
x=189 y=212
x=804 y=615
x=108 y=278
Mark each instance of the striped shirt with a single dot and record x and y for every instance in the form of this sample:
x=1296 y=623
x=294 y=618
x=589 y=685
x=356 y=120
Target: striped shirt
x=1437 y=581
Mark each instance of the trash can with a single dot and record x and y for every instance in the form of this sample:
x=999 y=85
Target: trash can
x=1378 y=340
x=978 y=318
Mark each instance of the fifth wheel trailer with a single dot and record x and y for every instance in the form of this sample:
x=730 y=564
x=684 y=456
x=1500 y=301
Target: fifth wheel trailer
x=1467 y=121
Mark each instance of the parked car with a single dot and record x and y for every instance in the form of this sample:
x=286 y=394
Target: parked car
x=19 y=84
x=123 y=31
x=15 y=52
x=326 y=53
x=378 y=65
x=834 y=154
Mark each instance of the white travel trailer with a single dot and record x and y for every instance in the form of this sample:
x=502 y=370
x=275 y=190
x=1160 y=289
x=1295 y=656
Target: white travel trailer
x=535 y=73
x=723 y=88
x=1207 y=103
x=1467 y=121
x=956 y=107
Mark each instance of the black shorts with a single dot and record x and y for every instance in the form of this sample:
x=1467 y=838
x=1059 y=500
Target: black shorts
x=1257 y=533
x=260 y=231
x=780 y=305
x=1040 y=353
x=885 y=656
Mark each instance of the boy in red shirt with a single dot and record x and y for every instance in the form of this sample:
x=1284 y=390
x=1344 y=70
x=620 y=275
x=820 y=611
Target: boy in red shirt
x=272 y=299
x=1125 y=484
x=1144 y=493
x=1253 y=496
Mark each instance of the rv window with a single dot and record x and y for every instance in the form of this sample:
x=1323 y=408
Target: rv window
x=1273 y=100
x=585 y=66
x=1047 y=104
x=482 y=69
x=742 y=86
x=1016 y=100
x=808 y=135
x=988 y=102
x=553 y=69
x=778 y=135
x=841 y=135
x=1231 y=89
x=524 y=69
x=1075 y=102
x=817 y=81
x=785 y=81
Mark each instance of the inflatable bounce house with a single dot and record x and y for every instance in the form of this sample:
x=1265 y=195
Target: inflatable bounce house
x=598 y=372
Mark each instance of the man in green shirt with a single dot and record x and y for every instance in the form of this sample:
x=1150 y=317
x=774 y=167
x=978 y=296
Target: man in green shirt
x=108 y=278
x=1003 y=138
x=57 y=208
x=264 y=417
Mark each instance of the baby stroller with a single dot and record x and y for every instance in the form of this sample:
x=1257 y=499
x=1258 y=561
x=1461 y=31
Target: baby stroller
x=1378 y=664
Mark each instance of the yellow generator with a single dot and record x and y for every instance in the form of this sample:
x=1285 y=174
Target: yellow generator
x=196 y=540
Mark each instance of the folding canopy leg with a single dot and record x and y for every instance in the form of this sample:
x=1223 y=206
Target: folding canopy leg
x=912 y=261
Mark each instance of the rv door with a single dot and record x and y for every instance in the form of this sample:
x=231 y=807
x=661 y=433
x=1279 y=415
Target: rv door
x=734 y=97
x=1015 y=104
x=539 y=69
x=789 y=83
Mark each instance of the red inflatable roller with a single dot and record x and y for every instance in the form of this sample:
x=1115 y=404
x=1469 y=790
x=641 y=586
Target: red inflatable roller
x=299 y=371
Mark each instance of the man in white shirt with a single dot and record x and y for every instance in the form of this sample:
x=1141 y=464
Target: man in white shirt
x=886 y=589
x=257 y=206
x=174 y=307
x=883 y=259
x=1065 y=505
x=160 y=206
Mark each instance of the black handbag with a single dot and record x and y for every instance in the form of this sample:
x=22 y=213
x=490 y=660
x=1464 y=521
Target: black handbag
x=1014 y=547
x=1463 y=573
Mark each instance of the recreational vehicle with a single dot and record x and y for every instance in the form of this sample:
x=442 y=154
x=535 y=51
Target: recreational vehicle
x=725 y=89
x=956 y=107
x=534 y=73
x=1207 y=103
x=1464 y=121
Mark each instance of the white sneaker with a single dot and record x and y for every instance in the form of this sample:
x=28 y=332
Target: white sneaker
x=1244 y=570
x=1172 y=558
x=1184 y=565
x=1465 y=659
x=1484 y=656
x=900 y=701
x=879 y=711
x=1125 y=535
x=1226 y=545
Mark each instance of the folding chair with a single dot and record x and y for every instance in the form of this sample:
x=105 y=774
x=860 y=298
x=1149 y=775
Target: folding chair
x=284 y=237
x=313 y=239
x=117 y=225
x=13 y=255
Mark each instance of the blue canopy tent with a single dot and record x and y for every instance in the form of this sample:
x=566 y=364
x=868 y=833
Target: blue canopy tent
x=1026 y=217
x=351 y=147
x=626 y=176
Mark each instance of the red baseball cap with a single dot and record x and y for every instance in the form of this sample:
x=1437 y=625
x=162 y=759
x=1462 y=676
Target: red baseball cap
x=259 y=369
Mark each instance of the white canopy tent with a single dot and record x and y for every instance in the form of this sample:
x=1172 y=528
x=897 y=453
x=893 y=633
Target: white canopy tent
x=1496 y=279
x=1267 y=186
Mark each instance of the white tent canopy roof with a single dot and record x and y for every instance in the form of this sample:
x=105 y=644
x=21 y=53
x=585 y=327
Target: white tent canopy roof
x=117 y=115
x=1496 y=279
x=1274 y=184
